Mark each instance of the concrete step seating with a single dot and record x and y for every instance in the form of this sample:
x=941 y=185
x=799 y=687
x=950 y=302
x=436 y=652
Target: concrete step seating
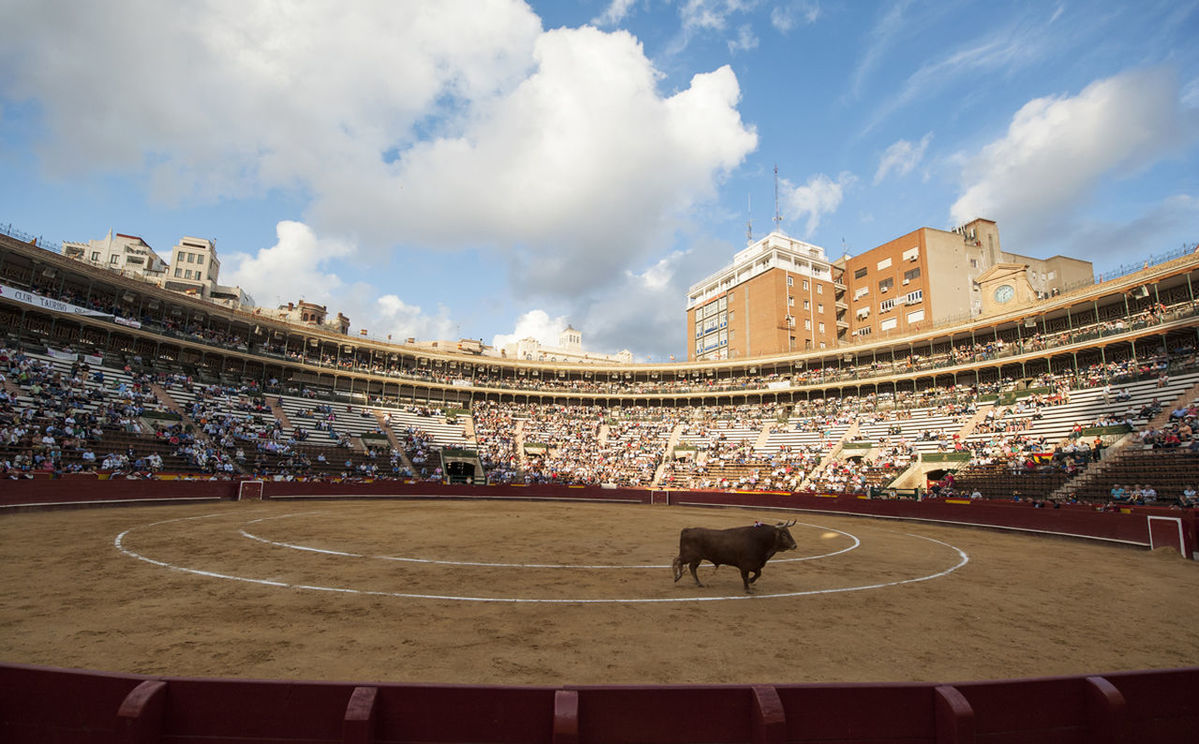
x=1088 y=405
x=345 y=420
x=938 y=426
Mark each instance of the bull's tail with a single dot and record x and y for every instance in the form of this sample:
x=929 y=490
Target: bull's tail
x=678 y=567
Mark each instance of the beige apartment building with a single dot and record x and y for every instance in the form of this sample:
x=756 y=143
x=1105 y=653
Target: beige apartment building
x=931 y=276
x=127 y=254
x=781 y=295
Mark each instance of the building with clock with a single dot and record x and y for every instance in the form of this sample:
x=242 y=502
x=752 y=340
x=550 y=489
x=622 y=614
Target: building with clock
x=782 y=295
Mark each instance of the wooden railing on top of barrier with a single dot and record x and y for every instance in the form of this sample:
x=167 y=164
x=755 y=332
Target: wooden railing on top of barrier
x=39 y=704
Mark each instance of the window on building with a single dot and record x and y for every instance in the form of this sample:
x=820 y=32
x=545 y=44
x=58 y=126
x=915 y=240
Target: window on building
x=807 y=305
x=911 y=274
x=886 y=284
x=861 y=292
x=790 y=301
x=886 y=305
x=178 y=272
x=912 y=253
x=820 y=307
x=790 y=281
x=113 y=259
x=884 y=264
x=863 y=312
x=805 y=285
x=187 y=274
x=95 y=255
x=200 y=260
x=820 y=327
x=860 y=273
x=822 y=344
x=916 y=316
x=807 y=324
x=911 y=298
x=819 y=289
x=863 y=331
x=888 y=324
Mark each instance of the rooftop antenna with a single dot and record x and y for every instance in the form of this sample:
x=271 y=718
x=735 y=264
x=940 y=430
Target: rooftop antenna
x=749 y=219
x=778 y=218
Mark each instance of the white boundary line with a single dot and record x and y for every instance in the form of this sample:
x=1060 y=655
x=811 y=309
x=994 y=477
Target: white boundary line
x=292 y=546
x=927 y=520
x=118 y=542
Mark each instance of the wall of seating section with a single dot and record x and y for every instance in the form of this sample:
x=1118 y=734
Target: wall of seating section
x=40 y=704
x=1128 y=526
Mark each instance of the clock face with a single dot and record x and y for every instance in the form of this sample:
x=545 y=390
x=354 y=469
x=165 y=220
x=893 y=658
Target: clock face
x=1004 y=293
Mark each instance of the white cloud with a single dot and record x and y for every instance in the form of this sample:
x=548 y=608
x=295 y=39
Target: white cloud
x=886 y=29
x=295 y=267
x=788 y=16
x=1057 y=149
x=551 y=150
x=616 y=12
x=1190 y=94
x=705 y=14
x=1006 y=49
x=1163 y=228
x=580 y=171
x=395 y=318
x=660 y=274
x=821 y=195
x=535 y=324
x=745 y=41
x=298 y=266
x=901 y=158
x=221 y=97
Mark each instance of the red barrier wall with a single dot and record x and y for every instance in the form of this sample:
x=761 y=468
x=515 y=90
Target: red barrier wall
x=53 y=705
x=1129 y=526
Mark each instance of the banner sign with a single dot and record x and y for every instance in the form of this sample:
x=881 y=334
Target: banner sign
x=36 y=300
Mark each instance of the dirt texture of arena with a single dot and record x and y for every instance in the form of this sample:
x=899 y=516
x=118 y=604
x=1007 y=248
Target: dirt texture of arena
x=341 y=591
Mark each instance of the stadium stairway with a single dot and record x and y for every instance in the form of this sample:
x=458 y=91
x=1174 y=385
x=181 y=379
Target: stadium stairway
x=396 y=444
x=672 y=441
x=832 y=455
x=973 y=422
x=166 y=400
x=280 y=414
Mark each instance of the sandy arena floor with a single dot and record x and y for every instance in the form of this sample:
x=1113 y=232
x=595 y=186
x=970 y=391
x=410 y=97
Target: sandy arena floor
x=578 y=594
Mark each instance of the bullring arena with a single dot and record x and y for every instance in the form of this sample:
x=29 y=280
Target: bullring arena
x=551 y=591
x=216 y=527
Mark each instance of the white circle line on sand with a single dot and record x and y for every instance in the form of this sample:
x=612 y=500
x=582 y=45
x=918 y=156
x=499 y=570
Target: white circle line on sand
x=481 y=564
x=118 y=542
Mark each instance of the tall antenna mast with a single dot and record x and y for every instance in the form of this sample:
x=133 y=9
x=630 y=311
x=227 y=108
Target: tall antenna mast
x=778 y=218
x=749 y=219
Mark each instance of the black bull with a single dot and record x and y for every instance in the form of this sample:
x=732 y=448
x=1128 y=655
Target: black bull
x=747 y=548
